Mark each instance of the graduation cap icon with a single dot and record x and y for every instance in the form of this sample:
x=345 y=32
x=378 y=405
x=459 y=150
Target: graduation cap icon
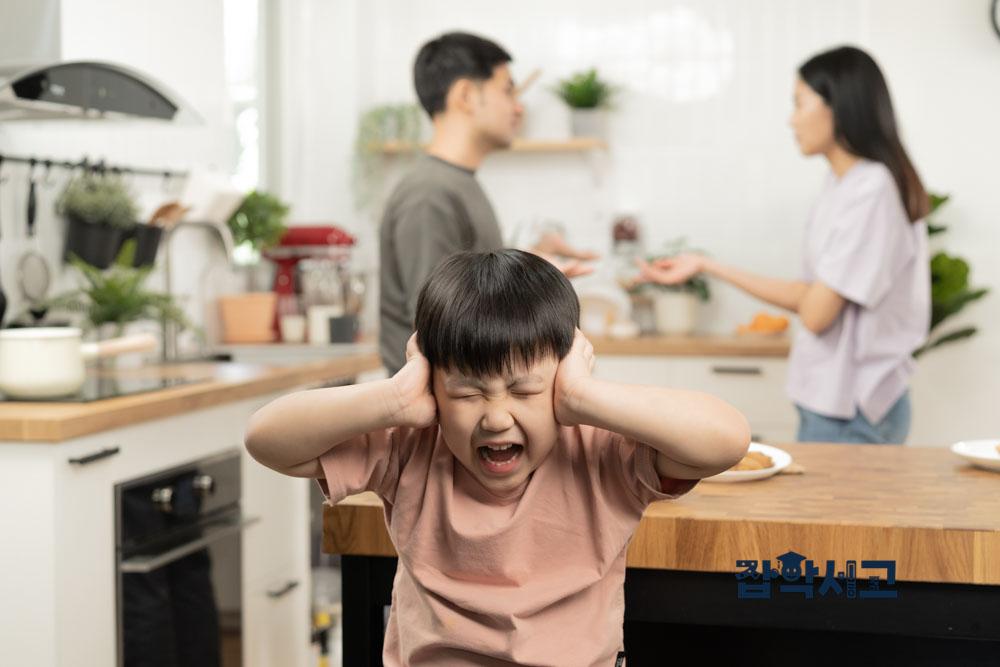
x=791 y=565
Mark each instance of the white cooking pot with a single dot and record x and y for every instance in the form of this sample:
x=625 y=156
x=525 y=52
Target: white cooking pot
x=48 y=362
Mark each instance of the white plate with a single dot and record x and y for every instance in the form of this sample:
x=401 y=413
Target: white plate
x=980 y=453
x=780 y=457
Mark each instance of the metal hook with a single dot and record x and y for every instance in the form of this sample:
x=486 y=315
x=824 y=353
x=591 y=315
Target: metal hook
x=47 y=179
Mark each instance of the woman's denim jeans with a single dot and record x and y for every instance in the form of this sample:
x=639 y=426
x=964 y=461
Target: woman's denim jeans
x=893 y=428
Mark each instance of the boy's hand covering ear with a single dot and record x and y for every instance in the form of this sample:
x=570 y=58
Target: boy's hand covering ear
x=573 y=372
x=415 y=406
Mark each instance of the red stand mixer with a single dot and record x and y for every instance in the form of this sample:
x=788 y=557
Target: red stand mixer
x=304 y=242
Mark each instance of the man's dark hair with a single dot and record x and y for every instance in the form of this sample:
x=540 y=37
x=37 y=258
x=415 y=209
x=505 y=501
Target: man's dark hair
x=483 y=312
x=455 y=55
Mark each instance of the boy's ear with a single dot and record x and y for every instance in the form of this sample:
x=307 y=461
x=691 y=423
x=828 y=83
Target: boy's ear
x=412 y=347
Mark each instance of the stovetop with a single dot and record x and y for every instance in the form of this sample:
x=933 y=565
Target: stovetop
x=96 y=388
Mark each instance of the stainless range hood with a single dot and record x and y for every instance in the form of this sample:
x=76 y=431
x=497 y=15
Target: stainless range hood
x=47 y=72
x=86 y=90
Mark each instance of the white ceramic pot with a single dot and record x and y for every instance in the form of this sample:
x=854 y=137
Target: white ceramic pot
x=676 y=313
x=48 y=362
x=590 y=123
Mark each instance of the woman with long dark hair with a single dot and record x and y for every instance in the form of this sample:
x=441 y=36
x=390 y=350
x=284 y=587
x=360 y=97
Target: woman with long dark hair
x=864 y=296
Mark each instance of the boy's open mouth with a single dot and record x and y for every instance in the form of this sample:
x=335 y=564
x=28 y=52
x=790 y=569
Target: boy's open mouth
x=500 y=458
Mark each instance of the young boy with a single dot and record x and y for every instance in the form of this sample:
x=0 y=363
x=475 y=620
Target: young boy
x=512 y=479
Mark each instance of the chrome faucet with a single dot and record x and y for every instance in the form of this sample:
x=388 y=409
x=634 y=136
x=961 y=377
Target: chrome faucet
x=170 y=330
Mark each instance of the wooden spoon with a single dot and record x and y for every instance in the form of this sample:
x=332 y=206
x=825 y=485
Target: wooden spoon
x=168 y=214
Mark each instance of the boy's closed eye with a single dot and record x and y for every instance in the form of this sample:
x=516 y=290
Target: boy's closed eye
x=463 y=387
x=517 y=392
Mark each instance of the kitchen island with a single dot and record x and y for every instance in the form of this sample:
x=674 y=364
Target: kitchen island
x=923 y=510
x=205 y=384
x=60 y=466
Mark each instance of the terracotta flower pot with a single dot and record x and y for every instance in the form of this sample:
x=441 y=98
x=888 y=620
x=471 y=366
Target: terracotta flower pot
x=248 y=318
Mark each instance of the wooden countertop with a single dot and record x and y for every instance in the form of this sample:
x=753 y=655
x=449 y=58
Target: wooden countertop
x=935 y=515
x=695 y=346
x=218 y=383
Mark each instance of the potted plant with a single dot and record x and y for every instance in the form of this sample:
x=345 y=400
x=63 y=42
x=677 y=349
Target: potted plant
x=258 y=224
x=675 y=307
x=113 y=298
x=588 y=98
x=396 y=125
x=950 y=290
x=100 y=213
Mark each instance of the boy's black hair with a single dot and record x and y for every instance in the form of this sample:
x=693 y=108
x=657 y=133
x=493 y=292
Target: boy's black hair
x=483 y=312
x=452 y=56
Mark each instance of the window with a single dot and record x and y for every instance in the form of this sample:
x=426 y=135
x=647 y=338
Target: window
x=244 y=75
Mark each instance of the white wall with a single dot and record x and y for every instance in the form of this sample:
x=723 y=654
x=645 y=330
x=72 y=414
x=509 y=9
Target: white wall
x=700 y=145
x=178 y=43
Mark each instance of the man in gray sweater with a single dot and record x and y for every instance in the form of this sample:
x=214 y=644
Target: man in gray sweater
x=464 y=83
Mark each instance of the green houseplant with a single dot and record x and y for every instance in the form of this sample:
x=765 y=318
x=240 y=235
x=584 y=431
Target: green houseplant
x=110 y=299
x=396 y=125
x=950 y=290
x=100 y=213
x=258 y=224
x=588 y=97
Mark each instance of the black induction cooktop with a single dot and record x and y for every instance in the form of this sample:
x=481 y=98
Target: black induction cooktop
x=96 y=388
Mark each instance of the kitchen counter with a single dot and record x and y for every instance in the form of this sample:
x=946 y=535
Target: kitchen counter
x=214 y=384
x=926 y=509
x=695 y=346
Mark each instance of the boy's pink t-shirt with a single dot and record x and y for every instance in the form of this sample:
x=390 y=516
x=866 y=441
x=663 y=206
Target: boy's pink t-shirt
x=534 y=579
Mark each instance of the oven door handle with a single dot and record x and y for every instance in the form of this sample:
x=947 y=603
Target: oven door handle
x=147 y=564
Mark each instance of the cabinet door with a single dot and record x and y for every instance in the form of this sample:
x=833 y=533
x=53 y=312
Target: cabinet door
x=86 y=473
x=277 y=626
x=773 y=433
x=753 y=385
x=277 y=600
x=281 y=505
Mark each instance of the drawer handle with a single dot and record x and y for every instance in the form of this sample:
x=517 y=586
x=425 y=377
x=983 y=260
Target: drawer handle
x=96 y=456
x=737 y=370
x=284 y=590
